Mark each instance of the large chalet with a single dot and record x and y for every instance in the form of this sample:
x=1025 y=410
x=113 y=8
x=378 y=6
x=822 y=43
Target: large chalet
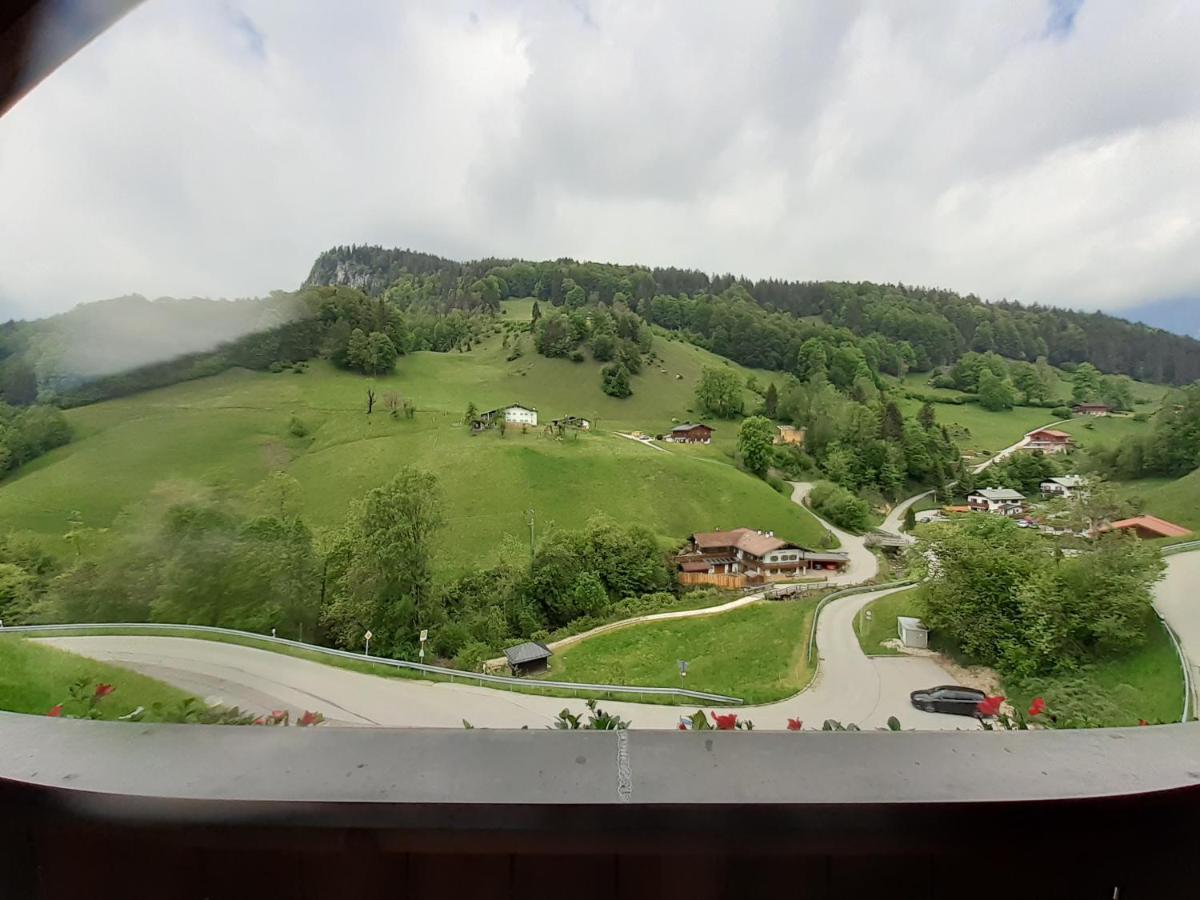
x=756 y=555
x=1049 y=440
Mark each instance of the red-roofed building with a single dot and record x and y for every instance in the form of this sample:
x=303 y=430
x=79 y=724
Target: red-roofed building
x=1091 y=409
x=1049 y=441
x=1149 y=527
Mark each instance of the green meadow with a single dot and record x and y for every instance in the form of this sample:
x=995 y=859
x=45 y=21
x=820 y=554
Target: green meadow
x=758 y=653
x=230 y=431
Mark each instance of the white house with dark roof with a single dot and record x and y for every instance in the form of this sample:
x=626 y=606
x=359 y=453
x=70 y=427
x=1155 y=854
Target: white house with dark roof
x=1002 y=501
x=1065 y=486
x=514 y=414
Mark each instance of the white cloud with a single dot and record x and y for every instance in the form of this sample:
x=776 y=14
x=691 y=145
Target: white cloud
x=204 y=149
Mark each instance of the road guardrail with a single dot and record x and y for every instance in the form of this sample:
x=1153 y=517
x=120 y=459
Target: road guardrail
x=479 y=677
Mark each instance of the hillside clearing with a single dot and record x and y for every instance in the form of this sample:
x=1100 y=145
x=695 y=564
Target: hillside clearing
x=230 y=431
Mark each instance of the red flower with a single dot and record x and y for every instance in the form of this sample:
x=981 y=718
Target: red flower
x=259 y=721
x=1140 y=721
x=55 y=710
x=727 y=722
x=1037 y=707
x=310 y=718
x=103 y=690
x=794 y=725
x=989 y=706
x=681 y=727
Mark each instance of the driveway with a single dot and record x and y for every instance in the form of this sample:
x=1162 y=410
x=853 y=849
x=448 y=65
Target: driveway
x=849 y=686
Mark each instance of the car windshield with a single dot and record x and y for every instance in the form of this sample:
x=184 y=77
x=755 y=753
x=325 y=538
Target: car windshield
x=599 y=366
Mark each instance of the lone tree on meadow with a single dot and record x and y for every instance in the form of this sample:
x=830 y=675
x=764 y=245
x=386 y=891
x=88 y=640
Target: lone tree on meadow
x=754 y=440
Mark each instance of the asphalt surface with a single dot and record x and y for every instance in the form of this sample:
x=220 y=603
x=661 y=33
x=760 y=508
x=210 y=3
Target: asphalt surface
x=849 y=686
x=1178 y=600
x=863 y=565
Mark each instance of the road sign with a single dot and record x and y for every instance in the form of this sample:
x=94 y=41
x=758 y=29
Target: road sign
x=683 y=668
x=424 y=634
x=368 y=635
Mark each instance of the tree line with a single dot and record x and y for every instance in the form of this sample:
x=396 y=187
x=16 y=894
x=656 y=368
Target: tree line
x=939 y=325
x=193 y=555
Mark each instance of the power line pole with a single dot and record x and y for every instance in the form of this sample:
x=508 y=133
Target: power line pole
x=529 y=522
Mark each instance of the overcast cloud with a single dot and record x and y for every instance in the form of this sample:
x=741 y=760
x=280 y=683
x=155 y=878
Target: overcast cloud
x=1040 y=151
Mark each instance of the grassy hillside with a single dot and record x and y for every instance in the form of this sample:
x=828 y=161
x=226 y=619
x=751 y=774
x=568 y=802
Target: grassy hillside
x=1091 y=431
x=1174 y=499
x=983 y=432
x=233 y=429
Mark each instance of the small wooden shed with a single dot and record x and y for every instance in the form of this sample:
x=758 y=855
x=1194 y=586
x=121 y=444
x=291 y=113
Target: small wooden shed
x=527 y=658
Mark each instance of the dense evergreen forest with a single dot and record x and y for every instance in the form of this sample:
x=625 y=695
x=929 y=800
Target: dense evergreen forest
x=938 y=325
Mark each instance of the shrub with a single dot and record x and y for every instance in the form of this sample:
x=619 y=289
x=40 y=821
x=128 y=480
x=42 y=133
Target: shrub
x=297 y=428
x=780 y=485
x=577 y=356
x=1141 y=417
x=276 y=367
x=839 y=506
x=471 y=656
x=1062 y=412
x=515 y=354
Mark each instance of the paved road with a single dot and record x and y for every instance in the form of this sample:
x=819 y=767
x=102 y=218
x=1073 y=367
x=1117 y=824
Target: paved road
x=863 y=563
x=1178 y=600
x=849 y=686
x=896 y=517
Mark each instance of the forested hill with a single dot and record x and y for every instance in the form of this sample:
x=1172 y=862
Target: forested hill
x=938 y=325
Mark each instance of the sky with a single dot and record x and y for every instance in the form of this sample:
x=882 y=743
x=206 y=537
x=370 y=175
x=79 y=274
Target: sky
x=1040 y=151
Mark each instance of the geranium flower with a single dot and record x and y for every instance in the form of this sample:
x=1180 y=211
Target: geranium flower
x=55 y=711
x=310 y=718
x=681 y=727
x=103 y=690
x=794 y=725
x=1140 y=721
x=1037 y=707
x=989 y=706
x=727 y=722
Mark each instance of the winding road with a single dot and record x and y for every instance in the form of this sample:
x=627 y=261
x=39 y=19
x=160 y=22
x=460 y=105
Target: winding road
x=849 y=686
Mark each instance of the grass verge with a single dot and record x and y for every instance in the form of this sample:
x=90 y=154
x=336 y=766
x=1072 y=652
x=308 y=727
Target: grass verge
x=880 y=626
x=758 y=653
x=35 y=677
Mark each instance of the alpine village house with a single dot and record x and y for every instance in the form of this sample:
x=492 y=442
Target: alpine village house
x=745 y=556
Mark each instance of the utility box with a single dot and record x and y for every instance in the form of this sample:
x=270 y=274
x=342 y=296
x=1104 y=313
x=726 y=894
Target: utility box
x=912 y=632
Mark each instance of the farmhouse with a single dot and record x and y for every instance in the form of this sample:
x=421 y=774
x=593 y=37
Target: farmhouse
x=514 y=414
x=786 y=434
x=757 y=555
x=1048 y=441
x=1061 y=487
x=573 y=422
x=529 y=657
x=690 y=434
x=1002 y=501
x=1148 y=527
x=1091 y=409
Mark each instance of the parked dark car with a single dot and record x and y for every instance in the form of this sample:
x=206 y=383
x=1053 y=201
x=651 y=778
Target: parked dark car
x=948 y=698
